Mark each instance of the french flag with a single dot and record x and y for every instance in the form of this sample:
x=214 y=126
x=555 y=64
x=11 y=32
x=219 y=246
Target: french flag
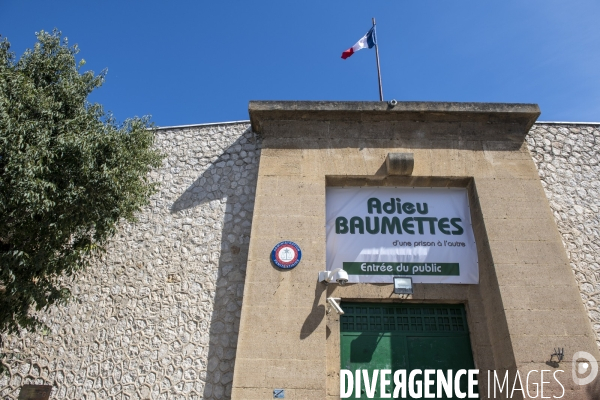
x=366 y=41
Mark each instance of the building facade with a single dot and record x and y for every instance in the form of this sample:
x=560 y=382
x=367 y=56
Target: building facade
x=159 y=316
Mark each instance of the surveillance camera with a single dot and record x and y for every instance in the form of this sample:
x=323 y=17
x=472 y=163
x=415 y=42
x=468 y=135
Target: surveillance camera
x=341 y=277
x=338 y=275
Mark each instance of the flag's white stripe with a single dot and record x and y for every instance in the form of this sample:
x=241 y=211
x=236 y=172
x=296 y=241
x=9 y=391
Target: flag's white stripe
x=361 y=44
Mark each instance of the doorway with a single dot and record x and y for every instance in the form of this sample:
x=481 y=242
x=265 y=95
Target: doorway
x=404 y=336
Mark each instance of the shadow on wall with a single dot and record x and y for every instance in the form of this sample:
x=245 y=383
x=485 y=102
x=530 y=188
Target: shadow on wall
x=593 y=389
x=232 y=177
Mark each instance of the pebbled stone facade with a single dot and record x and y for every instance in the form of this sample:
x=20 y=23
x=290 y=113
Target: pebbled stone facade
x=157 y=316
x=568 y=161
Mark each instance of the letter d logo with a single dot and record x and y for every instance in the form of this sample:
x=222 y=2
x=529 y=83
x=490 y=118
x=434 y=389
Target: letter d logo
x=583 y=366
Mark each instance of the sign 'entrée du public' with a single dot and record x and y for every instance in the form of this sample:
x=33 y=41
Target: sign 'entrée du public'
x=375 y=233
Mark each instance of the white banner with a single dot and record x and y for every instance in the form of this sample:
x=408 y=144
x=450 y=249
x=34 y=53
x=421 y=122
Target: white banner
x=376 y=233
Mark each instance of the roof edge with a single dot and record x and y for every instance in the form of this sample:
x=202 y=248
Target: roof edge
x=246 y=121
x=523 y=114
x=565 y=123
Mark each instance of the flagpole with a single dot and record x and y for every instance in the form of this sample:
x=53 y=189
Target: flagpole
x=378 y=69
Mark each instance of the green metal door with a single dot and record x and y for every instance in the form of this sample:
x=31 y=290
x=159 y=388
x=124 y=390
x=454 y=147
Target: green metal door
x=404 y=336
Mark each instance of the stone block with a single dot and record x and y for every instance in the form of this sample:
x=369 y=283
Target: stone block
x=251 y=393
x=279 y=166
x=529 y=275
x=267 y=184
x=516 y=209
x=540 y=252
x=515 y=169
x=275 y=345
x=504 y=252
x=521 y=229
x=508 y=189
x=549 y=297
x=546 y=323
x=483 y=357
x=300 y=321
x=537 y=349
x=298 y=129
x=249 y=373
x=285 y=293
x=300 y=374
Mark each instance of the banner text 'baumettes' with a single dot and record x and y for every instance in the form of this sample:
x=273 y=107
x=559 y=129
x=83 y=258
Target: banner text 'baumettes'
x=385 y=220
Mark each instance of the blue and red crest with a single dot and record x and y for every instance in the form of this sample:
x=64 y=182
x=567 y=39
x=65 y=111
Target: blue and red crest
x=286 y=255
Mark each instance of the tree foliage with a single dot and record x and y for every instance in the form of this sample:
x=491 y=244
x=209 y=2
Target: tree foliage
x=69 y=173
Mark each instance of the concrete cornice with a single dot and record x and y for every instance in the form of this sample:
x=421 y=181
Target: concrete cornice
x=512 y=114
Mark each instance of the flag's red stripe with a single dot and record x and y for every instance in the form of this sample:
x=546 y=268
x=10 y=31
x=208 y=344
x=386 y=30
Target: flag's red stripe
x=347 y=53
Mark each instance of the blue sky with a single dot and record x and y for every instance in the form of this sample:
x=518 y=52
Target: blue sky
x=187 y=62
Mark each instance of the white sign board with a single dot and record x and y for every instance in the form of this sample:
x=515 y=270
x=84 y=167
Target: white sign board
x=376 y=233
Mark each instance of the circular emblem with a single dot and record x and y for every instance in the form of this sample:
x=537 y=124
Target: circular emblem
x=286 y=255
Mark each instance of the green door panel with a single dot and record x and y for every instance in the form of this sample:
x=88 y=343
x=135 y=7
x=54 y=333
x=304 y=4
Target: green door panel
x=371 y=351
x=404 y=336
x=439 y=352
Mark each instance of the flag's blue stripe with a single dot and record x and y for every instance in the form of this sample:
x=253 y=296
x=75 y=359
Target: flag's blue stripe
x=371 y=41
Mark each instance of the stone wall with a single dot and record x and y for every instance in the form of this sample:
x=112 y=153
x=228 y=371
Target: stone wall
x=157 y=316
x=567 y=157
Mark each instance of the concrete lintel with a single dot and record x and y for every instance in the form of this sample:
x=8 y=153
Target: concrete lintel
x=512 y=114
